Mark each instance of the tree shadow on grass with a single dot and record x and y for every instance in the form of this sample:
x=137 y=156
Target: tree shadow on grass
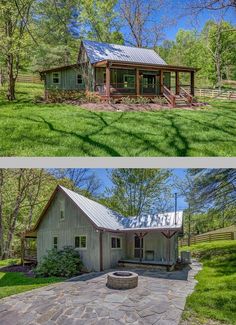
x=85 y=138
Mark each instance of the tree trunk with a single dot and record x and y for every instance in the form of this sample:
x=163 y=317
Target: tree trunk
x=11 y=78
x=189 y=228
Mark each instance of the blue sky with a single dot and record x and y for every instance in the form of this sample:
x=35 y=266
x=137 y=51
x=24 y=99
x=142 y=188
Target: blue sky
x=103 y=175
x=173 y=11
x=190 y=22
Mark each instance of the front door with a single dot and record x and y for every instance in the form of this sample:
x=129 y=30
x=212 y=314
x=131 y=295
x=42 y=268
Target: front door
x=138 y=247
x=148 y=84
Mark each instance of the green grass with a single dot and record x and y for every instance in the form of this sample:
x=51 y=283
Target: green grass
x=214 y=296
x=16 y=282
x=9 y=261
x=38 y=129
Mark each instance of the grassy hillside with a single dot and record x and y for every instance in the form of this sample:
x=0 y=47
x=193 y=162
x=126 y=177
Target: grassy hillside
x=28 y=128
x=215 y=294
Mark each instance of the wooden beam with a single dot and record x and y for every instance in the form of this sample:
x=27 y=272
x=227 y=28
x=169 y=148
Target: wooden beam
x=101 y=250
x=177 y=82
x=192 y=82
x=161 y=82
x=137 y=82
x=108 y=80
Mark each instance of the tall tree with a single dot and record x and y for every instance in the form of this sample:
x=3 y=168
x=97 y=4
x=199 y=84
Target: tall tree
x=100 y=21
x=214 y=5
x=14 y=21
x=144 y=20
x=137 y=191
x=57 y=30
x=83 y=180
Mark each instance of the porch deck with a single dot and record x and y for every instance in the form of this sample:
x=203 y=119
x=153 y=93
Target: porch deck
x=163 y=265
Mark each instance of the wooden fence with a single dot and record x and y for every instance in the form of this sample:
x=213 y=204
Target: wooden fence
x=208 y=238
x=215 y=93
x=29 y=78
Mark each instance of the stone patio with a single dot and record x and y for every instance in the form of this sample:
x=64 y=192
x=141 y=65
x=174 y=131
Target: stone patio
x=158 y=299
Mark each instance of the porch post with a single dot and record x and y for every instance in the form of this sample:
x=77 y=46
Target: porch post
x=161 y=82
x=192 y=82
x=108 y=80
x=140 y=247
x=137 y=83
x=177 y=82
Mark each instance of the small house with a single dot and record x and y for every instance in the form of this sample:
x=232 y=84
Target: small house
x=103 y=237
x=116 y=71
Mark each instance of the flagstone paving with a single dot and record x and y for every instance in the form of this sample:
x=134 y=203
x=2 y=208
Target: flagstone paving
x=158 y=299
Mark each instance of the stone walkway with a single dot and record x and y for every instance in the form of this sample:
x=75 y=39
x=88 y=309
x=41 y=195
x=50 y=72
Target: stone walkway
x=158 y=299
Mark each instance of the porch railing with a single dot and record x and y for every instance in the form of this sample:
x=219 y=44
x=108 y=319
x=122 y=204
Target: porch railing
x=167 y=93
x=126 y=88
x=186 y=95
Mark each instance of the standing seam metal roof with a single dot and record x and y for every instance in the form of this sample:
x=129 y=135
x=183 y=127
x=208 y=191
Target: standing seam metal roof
x=106 y=218
x=103 y=51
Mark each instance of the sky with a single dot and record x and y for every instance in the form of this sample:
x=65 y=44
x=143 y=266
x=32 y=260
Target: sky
x=173 y=11
x=103 y=175
x=189 y=22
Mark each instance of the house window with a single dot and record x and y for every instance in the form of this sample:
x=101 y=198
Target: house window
x=79 y=79
x=56 y=78
x=81 y=242
x=55 y=242
x=115 y=242
x=62 y=210
x=129 y=81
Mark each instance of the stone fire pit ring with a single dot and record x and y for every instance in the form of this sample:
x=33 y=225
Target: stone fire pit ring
x=122 y=280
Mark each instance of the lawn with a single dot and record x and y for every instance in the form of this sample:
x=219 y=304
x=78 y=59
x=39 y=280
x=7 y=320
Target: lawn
x=214 y=296
x=28 y=128
x=15 y=282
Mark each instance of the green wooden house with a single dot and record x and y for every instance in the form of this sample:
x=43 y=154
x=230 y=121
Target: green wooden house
x=115 y=71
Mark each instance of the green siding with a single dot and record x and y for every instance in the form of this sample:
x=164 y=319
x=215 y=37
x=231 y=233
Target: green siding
x=68 y=80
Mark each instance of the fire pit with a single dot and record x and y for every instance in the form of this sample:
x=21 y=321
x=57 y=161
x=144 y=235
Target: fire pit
x=122 y=280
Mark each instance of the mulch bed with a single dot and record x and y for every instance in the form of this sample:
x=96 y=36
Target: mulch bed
x=131 y=107
x=26 y=269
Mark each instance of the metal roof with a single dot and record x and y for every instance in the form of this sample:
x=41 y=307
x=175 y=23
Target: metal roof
x=106 y=218
x=103 y=51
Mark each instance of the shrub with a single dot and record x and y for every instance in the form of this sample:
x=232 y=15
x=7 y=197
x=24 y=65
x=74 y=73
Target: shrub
x=159 y=100
x=61 y=263
x=142 y=100
x=91 y=97
x=127 y=100
x=59 y=95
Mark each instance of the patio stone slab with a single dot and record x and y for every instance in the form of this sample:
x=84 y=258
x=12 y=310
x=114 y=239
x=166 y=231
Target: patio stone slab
x=158 y=299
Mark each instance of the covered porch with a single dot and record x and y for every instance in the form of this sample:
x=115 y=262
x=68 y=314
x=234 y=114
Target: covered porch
x=28 y=248
x=151 y=249
x=117 y=80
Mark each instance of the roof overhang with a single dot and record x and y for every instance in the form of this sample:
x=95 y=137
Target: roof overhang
x=60 y=68
x=165 y=67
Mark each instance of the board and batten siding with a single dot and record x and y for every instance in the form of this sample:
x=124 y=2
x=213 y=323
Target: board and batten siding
x=112 y=255
x=74 y=224
x=68 y=80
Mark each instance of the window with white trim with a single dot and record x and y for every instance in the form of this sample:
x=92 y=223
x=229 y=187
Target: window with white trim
x=56 y=78
x=115 y=242
x=81 y=242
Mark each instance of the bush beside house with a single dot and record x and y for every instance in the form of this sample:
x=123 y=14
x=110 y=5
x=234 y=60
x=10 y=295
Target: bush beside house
x=61 y=263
